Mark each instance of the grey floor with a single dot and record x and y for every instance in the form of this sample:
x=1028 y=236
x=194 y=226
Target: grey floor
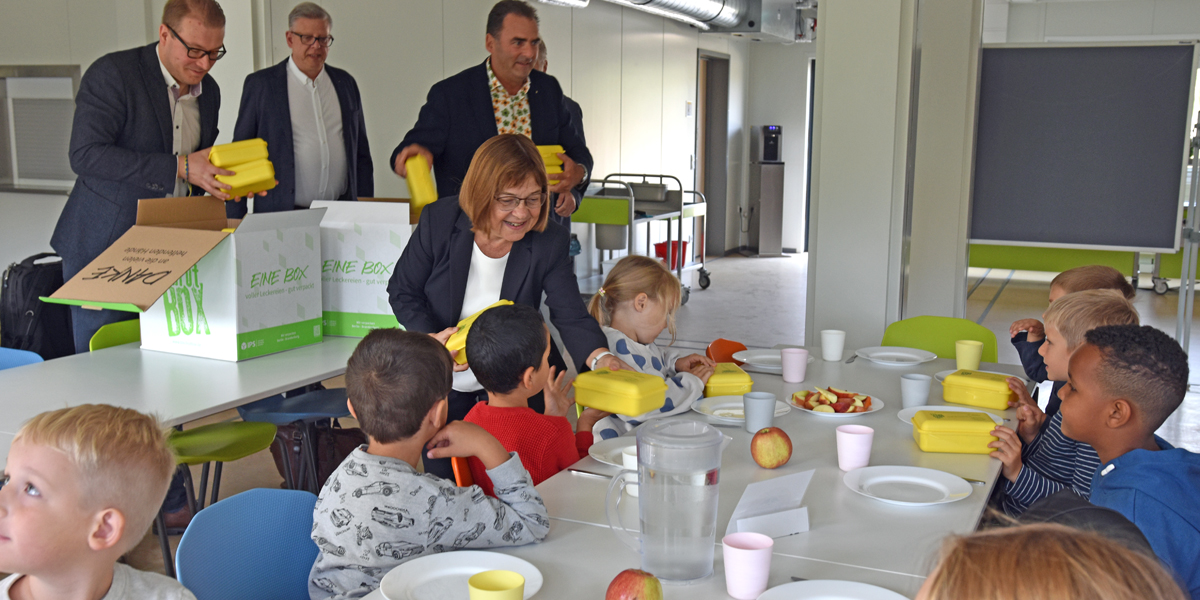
x=760 y=302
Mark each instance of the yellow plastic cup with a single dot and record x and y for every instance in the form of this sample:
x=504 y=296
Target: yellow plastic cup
x=497 y=585
x=967 y=353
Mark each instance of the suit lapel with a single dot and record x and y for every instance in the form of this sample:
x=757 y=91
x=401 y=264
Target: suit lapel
x=520 y=258
x=156 y=85
x=481 y=104
x=348 y=122
x=278 y=94
x=462 y=241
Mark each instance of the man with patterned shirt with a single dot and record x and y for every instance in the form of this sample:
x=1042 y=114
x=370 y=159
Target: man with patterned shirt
x=502 y=95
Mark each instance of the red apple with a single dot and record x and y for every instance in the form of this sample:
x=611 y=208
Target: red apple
x=634 y=584
x=771 y=448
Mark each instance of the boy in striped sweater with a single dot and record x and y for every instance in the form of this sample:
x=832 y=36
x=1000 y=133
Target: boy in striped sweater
x=1039 y=461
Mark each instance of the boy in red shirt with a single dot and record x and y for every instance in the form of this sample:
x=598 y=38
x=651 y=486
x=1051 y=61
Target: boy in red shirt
x=508 y=349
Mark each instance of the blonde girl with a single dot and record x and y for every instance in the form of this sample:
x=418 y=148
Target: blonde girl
x=1045 y=562
x=637 y=302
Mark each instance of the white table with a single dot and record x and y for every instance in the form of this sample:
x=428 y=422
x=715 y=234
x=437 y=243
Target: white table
x=851 y=537
x=176 y=388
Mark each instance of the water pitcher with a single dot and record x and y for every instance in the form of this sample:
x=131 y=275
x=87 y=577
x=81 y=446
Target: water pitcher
x=679 y=465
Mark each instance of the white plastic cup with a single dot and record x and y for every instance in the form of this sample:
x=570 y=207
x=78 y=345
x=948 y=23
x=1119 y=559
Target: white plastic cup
x=967 y=354
x=795 y=363
x=630 y=460
x=914 y=389
x=747 y=564
x=832 y=343
x=759 y=409
x=854 y=446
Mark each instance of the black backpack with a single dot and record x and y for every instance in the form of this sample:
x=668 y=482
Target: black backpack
x=27 y=323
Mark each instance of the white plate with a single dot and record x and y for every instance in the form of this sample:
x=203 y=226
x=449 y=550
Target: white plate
x=940 y=376
x=828 y=589
x=895 y=355
x=766 y=361
x=609 y=451
x=907 y=486
x=876 y=404
x=444 y=576
x=729 y=409
x=907 y=414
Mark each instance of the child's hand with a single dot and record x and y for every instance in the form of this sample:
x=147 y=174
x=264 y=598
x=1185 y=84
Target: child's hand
x=1017 y=385
x=1033 y=328
x=556 y=390
x=1029 y=422
x=460 y=438
x=1008 y=450
x=588 y=419
x=687 y=363
x=702 y=371
x=442 y=337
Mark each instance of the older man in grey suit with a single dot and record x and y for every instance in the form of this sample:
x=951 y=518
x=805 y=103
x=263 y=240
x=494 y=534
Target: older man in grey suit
x=145 y=120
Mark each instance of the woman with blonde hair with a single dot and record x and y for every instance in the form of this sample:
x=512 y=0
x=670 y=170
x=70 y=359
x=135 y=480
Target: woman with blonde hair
x=1045 y=562
x=491 y=242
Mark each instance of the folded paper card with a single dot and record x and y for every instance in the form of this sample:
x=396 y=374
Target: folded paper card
x=773 y=507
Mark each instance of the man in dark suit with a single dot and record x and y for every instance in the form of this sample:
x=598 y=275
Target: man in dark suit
x=501 y=95
x=311 y=116
x=145 y=120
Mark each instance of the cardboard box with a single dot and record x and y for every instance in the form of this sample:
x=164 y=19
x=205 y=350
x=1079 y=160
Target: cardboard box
x=360 y=244
x=207 y=286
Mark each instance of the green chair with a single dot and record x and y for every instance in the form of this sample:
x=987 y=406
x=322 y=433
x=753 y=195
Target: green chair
x=216 y=443
x=938 y=334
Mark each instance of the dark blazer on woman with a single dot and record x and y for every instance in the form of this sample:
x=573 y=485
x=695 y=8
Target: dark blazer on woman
x=458 y=118
x=427 y=287
x=265 y=113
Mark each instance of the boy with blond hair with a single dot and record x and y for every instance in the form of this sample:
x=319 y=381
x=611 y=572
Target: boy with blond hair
x=376 y=511
x=81 y=487
x=1039 y=461
x=1122 y=385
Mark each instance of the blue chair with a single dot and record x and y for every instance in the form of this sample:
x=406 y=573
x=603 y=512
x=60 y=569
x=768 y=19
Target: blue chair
x=11 y=357
x=305 y=409
x=253 y=546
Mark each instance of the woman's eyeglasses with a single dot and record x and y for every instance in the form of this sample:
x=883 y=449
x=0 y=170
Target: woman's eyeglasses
x=508 y=202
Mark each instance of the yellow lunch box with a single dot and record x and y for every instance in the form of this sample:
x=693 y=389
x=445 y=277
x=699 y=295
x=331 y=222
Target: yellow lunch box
x=620 y=392
x=986 y=390
x=957 y=432
x=237 y=153
x=458 y=341
x=421 y=189
x=249 y=178
x=550 y=155
x=728 y=380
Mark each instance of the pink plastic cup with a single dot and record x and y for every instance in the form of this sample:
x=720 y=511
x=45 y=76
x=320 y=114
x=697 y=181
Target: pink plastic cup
x=747 y=564
x=795 y=363
x=854 y=446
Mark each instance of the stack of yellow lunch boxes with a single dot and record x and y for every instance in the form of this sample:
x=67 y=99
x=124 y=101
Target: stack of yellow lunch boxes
x=728 y=380
x=620 y=392
x=458 y=341
x=553 y=162
x=253 y=172
x=975 y=388
x=957 y=432
x=421 y=190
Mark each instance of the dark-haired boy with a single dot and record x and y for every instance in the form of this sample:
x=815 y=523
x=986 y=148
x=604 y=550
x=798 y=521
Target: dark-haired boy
x=376 y=511
x=1121 y=386
x=509 y=348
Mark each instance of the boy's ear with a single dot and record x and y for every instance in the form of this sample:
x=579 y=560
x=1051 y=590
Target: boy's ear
x=350 y=407
x=108 y=527
x=1119 y=413
x=527 y=377
x=437 y=415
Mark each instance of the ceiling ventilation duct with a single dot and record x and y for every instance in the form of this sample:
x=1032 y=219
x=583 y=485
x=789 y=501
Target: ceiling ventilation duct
x=703 y=14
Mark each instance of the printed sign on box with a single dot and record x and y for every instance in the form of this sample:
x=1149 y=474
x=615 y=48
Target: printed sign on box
x=360 y=244
x=209 y=287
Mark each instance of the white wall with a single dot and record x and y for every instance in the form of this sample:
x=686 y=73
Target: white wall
x=1117 y=19
x=631 y=72
x=779 y=96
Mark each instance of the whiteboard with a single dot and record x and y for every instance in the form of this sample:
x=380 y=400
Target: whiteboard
x=1082 y=146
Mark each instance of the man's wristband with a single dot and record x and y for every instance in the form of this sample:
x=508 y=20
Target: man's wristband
x=598 y=357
